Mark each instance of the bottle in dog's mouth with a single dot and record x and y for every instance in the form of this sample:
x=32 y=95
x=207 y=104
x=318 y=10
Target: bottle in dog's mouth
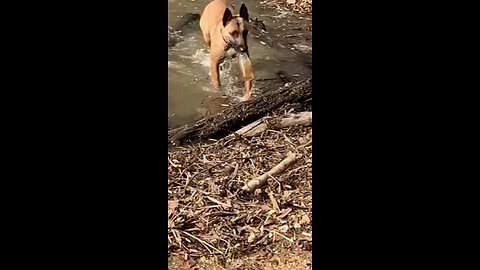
x=245 y=66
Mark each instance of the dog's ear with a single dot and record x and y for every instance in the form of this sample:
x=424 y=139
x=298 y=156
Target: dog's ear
x=244 y=12
x=227 y=16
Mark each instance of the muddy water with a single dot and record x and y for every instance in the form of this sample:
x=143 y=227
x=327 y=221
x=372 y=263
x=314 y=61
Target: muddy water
x=190 y=93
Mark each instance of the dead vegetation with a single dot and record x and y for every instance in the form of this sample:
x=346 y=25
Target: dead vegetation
x=300 y=6
x=209 y=214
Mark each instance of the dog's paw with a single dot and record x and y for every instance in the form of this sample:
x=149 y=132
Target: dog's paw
x=245 y=98
x=215 y=86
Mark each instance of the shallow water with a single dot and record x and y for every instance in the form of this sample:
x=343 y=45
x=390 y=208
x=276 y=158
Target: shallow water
x=190 y=93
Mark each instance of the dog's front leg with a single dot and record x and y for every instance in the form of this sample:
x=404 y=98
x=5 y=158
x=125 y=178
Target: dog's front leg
x=247 y=92
x=214 y=69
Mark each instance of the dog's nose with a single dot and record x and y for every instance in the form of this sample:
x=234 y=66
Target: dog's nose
x=242 y=48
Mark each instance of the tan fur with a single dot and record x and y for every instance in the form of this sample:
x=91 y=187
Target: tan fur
x=216 y=35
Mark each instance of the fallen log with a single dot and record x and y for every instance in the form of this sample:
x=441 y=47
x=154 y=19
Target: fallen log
x=262 y=180
x=298 y=95
x=259 y=126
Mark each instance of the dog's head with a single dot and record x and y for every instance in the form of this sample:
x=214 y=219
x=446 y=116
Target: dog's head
x=235 y=29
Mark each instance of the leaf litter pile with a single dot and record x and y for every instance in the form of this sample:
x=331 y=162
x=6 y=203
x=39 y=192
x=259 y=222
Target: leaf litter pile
x=210 y=210
x=300 y=6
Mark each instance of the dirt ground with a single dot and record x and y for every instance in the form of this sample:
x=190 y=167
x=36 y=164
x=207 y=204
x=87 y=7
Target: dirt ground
x=299 y=260
x=213 y=223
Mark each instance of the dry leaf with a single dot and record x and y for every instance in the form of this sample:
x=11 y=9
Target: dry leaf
x=284 y=213
x=305 y=220
x=283 y=228
x=172 y=204
x=252 y=229
x=265 y=207
x=268 y=222
x=287 y=194
x=251 y=237
x=273 y=201
x=186 y=266
x=271 y=213
x=291 y=1
x=297 y=226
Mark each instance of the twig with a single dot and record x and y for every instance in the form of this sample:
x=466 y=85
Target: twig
x=255 y=183
x=234 y=174
x=279 y=234
x=218 y=202
x=274 y=201
x=288 y=120
x=205 y=244
x=220 y=213
x=239 y=217
x=213 y=166
x=173 y=164
x=177 y=237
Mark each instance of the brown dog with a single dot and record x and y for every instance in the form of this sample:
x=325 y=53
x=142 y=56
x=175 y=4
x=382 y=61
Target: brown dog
x=225 y=34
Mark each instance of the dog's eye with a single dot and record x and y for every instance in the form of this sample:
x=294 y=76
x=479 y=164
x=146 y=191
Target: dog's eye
x=234 y=33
